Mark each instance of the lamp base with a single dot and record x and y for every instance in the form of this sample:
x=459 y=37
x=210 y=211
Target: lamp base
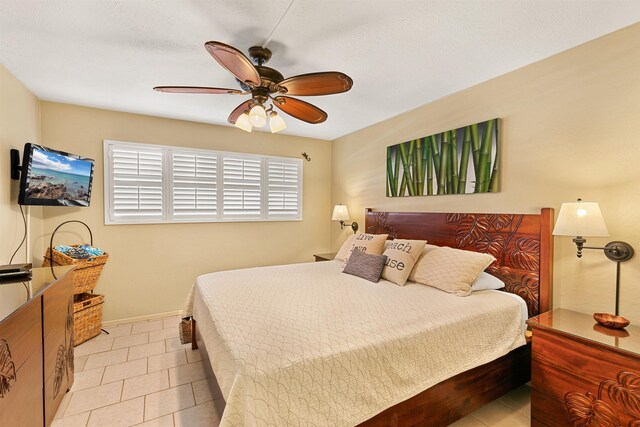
x=611 y=321
x=618 y=251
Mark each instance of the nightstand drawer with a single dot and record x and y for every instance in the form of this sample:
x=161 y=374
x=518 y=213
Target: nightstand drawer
x=590 y=363
x=576 y=379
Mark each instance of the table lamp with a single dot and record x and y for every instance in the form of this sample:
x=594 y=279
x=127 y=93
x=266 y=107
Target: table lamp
x=341 y=213
x=584 y=219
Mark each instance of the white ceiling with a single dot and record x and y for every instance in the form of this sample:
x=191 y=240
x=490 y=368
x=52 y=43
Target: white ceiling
x=400 y=53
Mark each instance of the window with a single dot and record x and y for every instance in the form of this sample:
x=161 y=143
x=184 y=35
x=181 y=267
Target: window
x=155 y=184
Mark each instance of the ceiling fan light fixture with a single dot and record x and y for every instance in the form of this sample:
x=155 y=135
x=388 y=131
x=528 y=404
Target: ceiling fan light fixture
x=276 y=122
x=258 y=116
x=243 y=122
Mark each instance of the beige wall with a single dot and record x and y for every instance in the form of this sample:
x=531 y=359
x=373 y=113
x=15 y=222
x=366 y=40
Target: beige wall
x=570 y=128
x=151 y=267
x=19 y=124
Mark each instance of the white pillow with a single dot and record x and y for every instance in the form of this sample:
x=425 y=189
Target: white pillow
x=486 y=281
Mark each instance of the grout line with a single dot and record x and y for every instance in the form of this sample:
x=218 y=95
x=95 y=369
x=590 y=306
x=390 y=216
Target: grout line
x=471 y=415
x=193 y=391
x=104 y=369
x=144 y=408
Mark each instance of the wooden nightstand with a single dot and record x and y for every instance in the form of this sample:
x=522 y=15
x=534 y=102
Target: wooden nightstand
x=325 y=257
x=583 y=374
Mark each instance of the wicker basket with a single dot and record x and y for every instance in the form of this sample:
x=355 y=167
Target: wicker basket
x=87 y=317
x=86 y=273
x=184 y=330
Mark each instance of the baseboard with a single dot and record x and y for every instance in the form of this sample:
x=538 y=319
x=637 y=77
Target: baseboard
x=140 y=318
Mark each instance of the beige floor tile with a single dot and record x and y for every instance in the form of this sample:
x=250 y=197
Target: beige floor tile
x=107 y=358
x=79 y=362
x=167 y=360
x=123 y=414
x=152 y=325
x=468 y=421
x=497 y=414
x=202 y=391
x=87 y=379
x=204 y=415
x=171 y=322
x=166 y=421
x=79 y=420
x=186 y=373
x=93 y=346
x=93 y=398
x=519 y=400
x=145 y=384
x=193 y=355
x=130 y=340
x=124 y=370
x=120 y=330
x=63 y=406
x=167 y=401
x=163 y=334
x=146 y=350
x=173 y=344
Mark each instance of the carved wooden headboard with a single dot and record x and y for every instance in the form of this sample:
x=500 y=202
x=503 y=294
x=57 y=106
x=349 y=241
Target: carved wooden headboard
x=521 y=243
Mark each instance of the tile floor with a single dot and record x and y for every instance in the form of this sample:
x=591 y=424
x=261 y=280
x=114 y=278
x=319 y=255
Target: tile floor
x=140 y=375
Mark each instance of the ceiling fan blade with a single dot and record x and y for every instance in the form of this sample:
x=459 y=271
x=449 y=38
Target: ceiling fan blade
x=239 y=110
x=235 y=62
x=326 y=83
x=196 y=89
x=300 y=109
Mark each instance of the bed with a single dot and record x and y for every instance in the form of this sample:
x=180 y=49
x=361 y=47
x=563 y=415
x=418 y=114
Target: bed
x=304 y=344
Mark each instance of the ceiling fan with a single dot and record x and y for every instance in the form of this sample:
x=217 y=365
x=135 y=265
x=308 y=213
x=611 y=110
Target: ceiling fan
x=266 y=84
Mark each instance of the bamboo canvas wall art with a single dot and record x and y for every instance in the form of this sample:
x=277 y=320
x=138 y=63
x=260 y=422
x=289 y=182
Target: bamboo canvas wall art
x=459 y=161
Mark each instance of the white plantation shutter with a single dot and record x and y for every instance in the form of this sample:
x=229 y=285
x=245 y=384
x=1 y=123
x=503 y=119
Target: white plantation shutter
x=194 y=179
x=242 y=191
x=284 y=178
x=136 y=183
x=146 y=183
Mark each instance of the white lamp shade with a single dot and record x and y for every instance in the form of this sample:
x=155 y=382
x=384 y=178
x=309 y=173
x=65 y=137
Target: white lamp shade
x=340 y=213
x=276 y=123
x=243 y=122
x=257 y=116
x=580 y=219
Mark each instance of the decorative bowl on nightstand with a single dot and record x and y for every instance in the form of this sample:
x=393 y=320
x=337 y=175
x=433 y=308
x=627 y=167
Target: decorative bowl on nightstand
x=611 y=321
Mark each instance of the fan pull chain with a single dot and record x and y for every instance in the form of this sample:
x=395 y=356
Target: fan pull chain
x=266 y=42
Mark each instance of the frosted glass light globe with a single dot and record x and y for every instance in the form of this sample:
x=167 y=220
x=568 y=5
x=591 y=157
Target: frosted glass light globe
x=276 y=123
x=257 y=116
x=243 y=122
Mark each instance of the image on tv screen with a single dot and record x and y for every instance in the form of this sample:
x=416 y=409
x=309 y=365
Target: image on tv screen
x=54 y=177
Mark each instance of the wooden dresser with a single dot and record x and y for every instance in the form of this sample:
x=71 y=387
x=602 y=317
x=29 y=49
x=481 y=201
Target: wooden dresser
x=583 y=374
x=36 y=346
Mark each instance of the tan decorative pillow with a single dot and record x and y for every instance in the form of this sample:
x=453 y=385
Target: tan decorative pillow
x=451 y=270
x=427 y=248
x=345 y=249
x=401 y=257
x=372 y=244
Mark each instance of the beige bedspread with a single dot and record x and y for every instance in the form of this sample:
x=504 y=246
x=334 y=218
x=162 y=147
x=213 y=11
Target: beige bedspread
x=305 y=344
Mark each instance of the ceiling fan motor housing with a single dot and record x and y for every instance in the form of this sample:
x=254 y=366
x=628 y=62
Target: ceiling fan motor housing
x=259 y=54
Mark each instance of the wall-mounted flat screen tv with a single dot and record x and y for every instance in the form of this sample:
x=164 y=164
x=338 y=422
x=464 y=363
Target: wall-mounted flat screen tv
x=54 y=178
